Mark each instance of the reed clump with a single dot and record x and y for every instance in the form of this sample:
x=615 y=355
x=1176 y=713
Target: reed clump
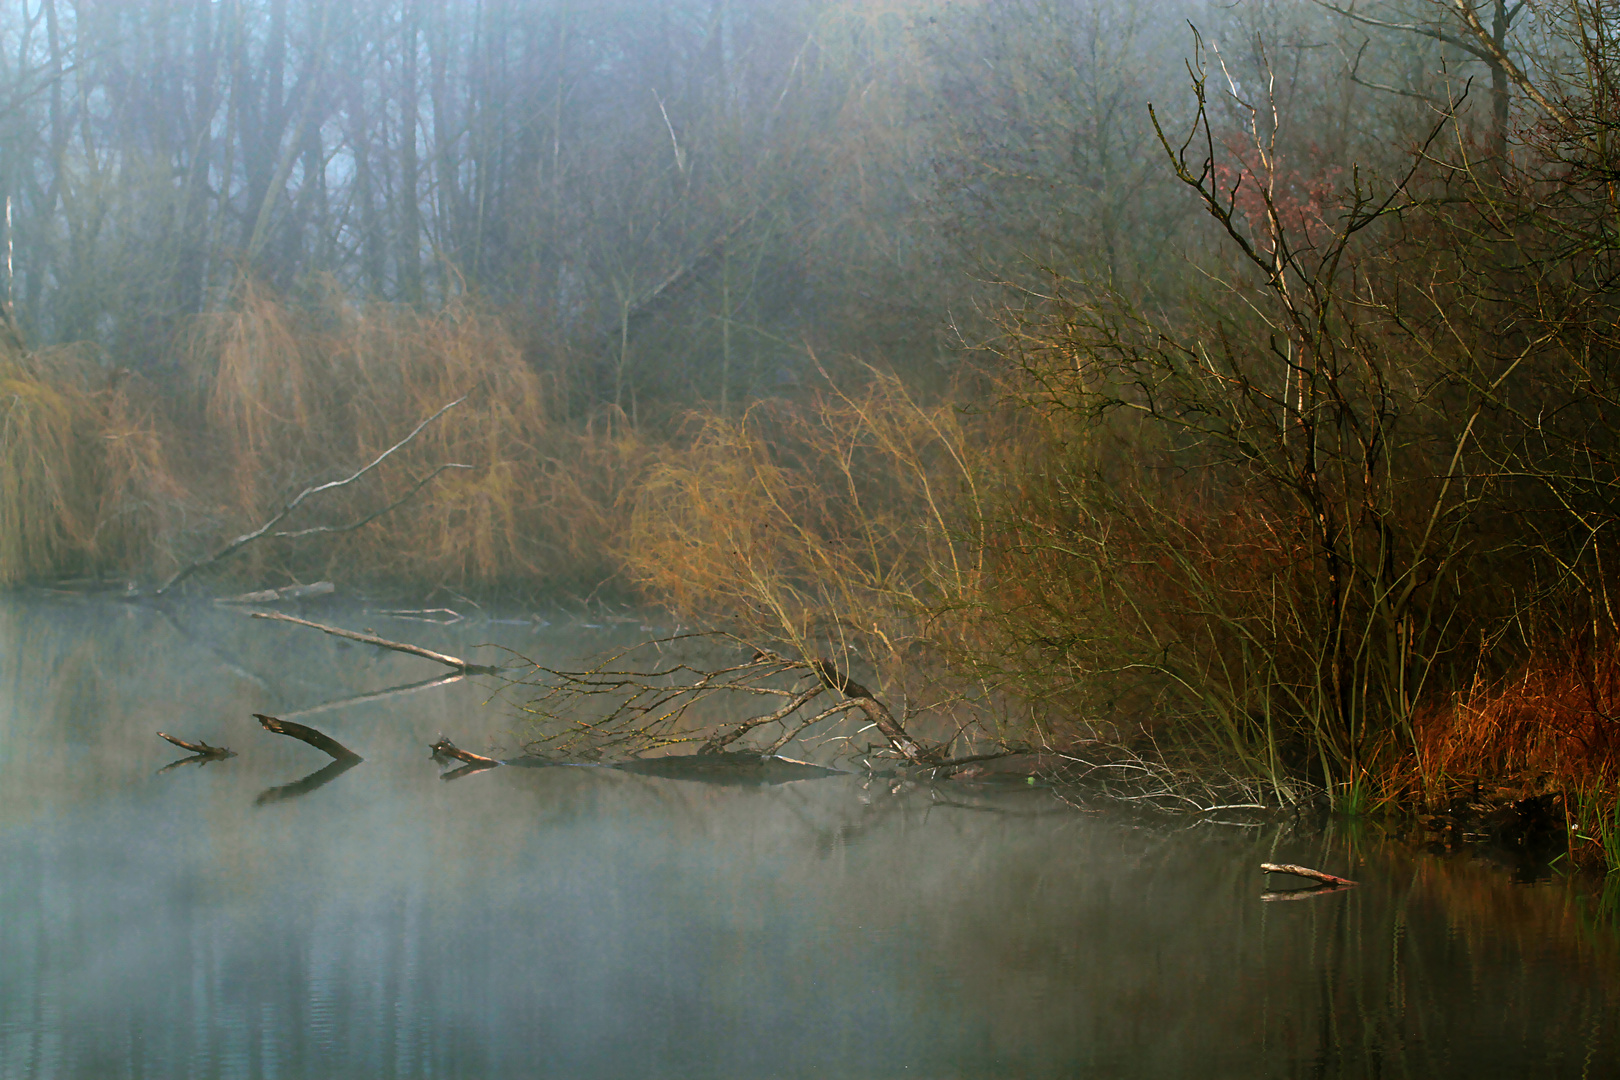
x=85 y=475
x=293 y=393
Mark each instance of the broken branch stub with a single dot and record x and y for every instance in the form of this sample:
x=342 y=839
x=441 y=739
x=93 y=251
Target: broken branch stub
x=383 y=643
x=274 y=596
x=322 y=742
x=444 y=748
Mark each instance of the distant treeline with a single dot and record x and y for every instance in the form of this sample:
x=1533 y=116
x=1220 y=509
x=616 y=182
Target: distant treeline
x=685 y=193
x=1277 y=420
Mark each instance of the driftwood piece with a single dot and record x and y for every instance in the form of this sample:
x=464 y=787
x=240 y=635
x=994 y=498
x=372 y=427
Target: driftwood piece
x=201 y=749
x=383 y=643
x=324 y=743
x=442 y=747
x=1305 y=872
x=290 y=592
x=313 y=490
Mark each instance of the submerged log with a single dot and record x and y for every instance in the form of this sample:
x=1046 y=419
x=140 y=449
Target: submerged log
x=383 y=643
x=1305 y=872
x=201 y=749
x=442 y=747
x=290 y=592
x=324 y=743
x=727 y=767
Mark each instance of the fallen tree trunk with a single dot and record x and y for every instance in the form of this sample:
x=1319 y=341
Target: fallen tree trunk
x=875 y=711
x=201 y=749
x=324 y=743
x=383 y=643
x=1305 y=872
x=443 y=747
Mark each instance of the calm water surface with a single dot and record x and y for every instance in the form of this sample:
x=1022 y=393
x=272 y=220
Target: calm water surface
x=574 y=922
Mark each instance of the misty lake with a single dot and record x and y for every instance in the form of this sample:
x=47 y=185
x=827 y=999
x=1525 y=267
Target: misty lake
x=580 y=922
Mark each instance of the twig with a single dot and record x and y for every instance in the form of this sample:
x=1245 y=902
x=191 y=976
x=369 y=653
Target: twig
x=722 y=739
x=1305 y=872
x=383 y=643
x=324 y=743
x=247 y=538
x=201 y=749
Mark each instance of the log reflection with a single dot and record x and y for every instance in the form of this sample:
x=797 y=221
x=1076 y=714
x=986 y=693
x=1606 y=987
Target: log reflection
x=308 y=784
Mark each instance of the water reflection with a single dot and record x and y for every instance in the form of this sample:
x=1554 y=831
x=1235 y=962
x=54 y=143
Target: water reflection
x=596 y=922
x=317 y=779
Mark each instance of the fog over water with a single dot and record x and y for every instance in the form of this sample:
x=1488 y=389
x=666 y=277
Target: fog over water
x=583 y=922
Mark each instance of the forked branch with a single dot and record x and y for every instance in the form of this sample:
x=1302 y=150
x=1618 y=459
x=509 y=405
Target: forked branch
x=626 y=707
x=268 y=528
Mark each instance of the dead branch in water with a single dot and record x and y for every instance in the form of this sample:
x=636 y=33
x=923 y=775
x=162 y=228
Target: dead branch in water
x=201 y=749
x=442 y=747
x=324 y=743
x=1305 y=872
x=319 y=489
x=383 y=643
x=632 y=708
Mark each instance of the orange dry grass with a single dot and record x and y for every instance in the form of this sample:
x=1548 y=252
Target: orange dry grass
x=1552 y=727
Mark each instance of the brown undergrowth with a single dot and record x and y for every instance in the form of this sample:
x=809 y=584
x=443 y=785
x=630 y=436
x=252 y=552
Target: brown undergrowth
x=1549 y=729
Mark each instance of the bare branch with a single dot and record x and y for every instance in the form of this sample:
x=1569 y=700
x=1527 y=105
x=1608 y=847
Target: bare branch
x=266 y=529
